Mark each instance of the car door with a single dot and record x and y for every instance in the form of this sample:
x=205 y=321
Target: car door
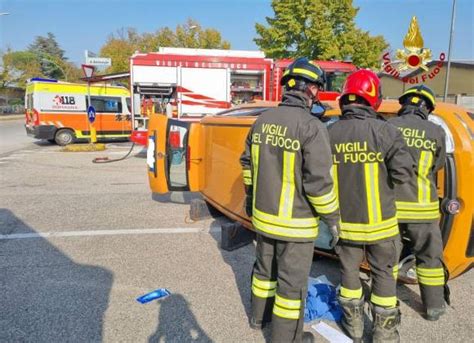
x=174 y=155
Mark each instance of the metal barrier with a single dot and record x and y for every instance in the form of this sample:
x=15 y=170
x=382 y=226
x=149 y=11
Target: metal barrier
x=12 y=109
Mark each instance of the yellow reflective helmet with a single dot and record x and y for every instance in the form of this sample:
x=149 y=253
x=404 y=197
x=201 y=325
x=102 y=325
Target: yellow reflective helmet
x=414 y=94
x=303 y=69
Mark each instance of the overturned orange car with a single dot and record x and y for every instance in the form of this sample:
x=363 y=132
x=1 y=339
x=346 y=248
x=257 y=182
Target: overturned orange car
x=204 y=157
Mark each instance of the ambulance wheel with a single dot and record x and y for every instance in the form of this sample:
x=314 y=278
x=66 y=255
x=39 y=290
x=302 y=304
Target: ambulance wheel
x=64 y=137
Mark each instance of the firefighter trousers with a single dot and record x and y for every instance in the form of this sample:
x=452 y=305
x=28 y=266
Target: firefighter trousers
x=424 y=240
x=383 y=262
x=279 y=286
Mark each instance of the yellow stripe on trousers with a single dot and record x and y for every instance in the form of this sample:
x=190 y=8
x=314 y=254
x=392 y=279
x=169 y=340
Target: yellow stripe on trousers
x=372 y=190
x=383 y=301
x=424 y=189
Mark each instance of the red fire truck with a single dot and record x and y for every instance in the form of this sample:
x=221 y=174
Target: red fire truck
x=190 y=83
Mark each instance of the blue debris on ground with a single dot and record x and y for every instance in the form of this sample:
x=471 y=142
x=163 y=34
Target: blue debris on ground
x=321 y=301
x=156 y=294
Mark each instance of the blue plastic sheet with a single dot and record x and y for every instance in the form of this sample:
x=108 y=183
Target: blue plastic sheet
x=321 y=302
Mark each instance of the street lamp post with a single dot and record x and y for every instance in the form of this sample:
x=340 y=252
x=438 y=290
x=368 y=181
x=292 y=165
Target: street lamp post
x=446 y=82
x=57 y=65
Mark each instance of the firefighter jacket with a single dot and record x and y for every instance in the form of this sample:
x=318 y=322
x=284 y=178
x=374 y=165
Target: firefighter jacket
x=369 y=156
x=287 y=168
x=417 y=200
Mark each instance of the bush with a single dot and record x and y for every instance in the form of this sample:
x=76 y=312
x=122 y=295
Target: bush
x=16 y=101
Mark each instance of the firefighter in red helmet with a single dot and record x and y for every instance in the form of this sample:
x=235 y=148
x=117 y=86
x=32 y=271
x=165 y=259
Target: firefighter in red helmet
x=369 y=156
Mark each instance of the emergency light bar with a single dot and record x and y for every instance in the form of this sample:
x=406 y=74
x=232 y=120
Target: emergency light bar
x=41 y=79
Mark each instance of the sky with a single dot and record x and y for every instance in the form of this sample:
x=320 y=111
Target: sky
x=85 y=24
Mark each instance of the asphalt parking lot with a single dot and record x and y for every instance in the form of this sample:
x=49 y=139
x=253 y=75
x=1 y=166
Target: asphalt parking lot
x=79 y=242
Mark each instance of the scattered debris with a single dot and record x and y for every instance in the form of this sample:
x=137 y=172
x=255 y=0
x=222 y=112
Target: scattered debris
x=331 y=334
x=156 y=294
x=83 y=147
x=321 y=301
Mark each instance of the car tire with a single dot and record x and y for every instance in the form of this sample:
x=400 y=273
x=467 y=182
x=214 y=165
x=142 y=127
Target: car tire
x=64 y=137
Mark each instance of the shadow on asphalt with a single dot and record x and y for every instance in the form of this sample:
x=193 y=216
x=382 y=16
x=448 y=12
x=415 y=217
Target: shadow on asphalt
x=46 y=296
x=241 y=261
x=176 y=197
x=177 y=322
x=410 y=298
x=43 y=143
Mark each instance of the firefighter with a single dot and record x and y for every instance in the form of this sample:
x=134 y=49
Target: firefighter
x=369 y=156
x=286 y=169
x=417 y=200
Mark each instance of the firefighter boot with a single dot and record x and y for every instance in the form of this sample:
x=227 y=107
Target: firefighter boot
x=433 y=314
x=353 y=318
x=433 y=301
x=257 y=324
x=308 y=337
x=386 y=322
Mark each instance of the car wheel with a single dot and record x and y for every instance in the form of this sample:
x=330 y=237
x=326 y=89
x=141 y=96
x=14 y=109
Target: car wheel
x=64 y=137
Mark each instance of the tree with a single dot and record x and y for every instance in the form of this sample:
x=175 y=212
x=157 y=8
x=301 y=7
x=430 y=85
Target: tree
x=318 y=29
x=50 y=56
x=191 y=35
x=119 y=48
x=43 y=58
x=18 y=67
x=121 y=45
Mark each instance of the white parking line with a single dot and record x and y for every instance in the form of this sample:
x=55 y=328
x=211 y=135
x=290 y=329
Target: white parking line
x=178 y=230
x=11 y=157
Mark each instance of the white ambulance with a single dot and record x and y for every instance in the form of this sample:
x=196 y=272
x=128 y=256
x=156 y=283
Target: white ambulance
x=57 y=111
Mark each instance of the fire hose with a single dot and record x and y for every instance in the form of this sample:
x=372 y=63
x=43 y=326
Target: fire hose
x=107 y=160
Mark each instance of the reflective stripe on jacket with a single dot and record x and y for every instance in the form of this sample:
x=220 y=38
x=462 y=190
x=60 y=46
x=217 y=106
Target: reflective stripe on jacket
x=287 y=168
x=417 y=200
x=369 y=155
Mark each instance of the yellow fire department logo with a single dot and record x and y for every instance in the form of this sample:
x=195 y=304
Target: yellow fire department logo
x=415 y=55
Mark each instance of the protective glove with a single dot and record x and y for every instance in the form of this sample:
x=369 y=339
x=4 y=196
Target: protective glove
x=248 y=205
x=334 y=230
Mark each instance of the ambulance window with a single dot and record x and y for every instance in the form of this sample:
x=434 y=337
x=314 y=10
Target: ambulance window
x=129 y=105
x=107 y=104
